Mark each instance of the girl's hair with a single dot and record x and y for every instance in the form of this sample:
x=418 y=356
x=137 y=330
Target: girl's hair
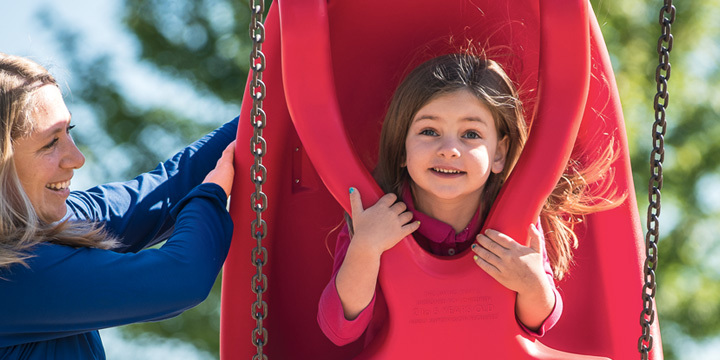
x=487 y=80
x=20 y=227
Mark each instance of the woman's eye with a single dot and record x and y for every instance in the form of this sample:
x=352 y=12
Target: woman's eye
x=428 y=132
x=51 y=143
x=472 y=135
x=70 y=127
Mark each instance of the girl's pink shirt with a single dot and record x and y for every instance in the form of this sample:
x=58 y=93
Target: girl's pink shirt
x=434 y=236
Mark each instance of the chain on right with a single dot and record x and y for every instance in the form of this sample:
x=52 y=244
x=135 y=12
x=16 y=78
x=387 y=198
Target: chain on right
x=258 y=174
x=662 y=75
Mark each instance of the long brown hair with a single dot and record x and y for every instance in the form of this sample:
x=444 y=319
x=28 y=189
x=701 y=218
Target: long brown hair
x=20 y=227
x=487 y=80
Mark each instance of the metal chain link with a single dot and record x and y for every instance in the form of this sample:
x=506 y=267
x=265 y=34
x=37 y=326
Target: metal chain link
x=657 y=156
x=258 y=175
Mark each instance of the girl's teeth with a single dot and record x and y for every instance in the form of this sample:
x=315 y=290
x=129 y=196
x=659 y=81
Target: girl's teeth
x=446 y=171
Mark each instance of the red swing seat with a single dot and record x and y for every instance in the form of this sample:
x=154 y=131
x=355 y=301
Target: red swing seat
x=335 y=66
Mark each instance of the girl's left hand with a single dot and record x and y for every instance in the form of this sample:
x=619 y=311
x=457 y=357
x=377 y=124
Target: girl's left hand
x=517 y=267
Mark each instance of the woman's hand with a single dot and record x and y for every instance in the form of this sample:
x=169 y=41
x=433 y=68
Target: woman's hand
x=381 y=226
x=224 y=171
x=518 y=268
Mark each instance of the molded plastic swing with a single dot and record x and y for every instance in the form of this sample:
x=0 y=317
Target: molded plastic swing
x=334 y=67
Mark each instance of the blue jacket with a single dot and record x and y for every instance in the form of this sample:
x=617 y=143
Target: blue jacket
x=53 y=308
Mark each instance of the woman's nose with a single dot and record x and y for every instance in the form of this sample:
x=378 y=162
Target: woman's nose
x=73 y=158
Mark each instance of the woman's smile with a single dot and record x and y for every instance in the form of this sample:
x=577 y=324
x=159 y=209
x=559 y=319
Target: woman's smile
x=46 y=158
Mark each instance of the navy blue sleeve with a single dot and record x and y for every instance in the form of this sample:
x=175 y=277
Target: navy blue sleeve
x=66 y=291
x=137 y=211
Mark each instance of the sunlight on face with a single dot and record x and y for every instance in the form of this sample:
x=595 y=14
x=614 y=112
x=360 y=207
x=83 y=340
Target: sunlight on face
x=45 y=159
x=452 y=147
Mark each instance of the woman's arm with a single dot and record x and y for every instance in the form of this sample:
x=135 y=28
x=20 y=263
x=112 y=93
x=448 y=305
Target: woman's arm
x=137 y=211
x=65 y=291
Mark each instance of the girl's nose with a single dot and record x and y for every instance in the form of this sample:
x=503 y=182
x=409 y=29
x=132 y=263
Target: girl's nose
x=73 y=158
x=449 y=149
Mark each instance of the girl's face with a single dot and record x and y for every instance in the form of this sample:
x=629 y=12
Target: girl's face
x=45 y=159
x=452 y=147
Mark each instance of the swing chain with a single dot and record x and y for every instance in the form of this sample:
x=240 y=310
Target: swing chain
x=258 y=175
x=657 y=156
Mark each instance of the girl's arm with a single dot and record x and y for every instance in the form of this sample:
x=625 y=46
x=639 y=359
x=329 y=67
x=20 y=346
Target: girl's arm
x=343 y=309
x=376 y=229
x=521 y=269
x=138 y=211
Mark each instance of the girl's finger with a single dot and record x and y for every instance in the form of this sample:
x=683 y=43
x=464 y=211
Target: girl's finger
x=356 y=205
x=534 y=235
x=410 y=228
x=387 y=200
x=489 y=244
x=485 y=254
x=500 y=239
x=398 y=207
x=405 y=217
x=489 y=268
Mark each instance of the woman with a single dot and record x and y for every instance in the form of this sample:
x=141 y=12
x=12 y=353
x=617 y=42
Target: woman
x=69 y=261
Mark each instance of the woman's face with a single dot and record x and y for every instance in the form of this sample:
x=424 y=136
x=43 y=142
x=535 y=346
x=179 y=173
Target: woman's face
x=45 y=159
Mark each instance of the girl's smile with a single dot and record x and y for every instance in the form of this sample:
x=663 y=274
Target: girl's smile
x=452 y=147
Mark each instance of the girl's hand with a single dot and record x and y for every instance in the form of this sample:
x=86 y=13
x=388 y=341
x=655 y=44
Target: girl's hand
x=521 y=269
x=517 y=267
x=381 y=226
x=224 y=171
x=376 y=229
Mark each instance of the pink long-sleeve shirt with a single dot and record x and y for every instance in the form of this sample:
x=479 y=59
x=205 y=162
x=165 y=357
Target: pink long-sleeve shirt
x=434 y=236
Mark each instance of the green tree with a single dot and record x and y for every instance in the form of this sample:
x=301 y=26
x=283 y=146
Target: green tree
x=204 y=44
x=688 y=289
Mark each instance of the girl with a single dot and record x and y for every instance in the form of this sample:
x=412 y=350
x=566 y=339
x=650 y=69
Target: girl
x=452 y=134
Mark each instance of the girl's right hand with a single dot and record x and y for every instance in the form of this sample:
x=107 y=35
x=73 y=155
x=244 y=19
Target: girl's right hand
x=381 y=226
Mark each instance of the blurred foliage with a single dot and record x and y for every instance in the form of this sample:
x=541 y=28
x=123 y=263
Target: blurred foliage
x=205 y=44
x=688 y=287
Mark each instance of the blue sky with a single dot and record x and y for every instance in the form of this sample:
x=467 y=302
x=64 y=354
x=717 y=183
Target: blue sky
x=98 y=24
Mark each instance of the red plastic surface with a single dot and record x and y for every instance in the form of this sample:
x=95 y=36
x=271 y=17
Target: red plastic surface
x=334 y=66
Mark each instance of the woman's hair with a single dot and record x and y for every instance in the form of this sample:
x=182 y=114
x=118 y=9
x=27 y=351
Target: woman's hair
x=20 y=226
x=487 y=80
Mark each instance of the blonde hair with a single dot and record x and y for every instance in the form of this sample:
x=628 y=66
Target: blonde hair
x=485 y=78
x=20 y=227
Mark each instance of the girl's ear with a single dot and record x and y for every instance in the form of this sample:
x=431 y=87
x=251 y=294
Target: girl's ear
x=500 y=155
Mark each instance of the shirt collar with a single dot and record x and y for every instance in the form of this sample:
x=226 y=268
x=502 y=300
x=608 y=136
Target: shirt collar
x=437 y=231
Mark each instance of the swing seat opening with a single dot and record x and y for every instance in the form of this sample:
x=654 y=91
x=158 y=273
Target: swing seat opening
x=331 y=70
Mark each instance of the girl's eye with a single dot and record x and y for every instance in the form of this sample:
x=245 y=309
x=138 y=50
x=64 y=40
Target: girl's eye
x=472 y=135
x=70 y=127
x=428 y=132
